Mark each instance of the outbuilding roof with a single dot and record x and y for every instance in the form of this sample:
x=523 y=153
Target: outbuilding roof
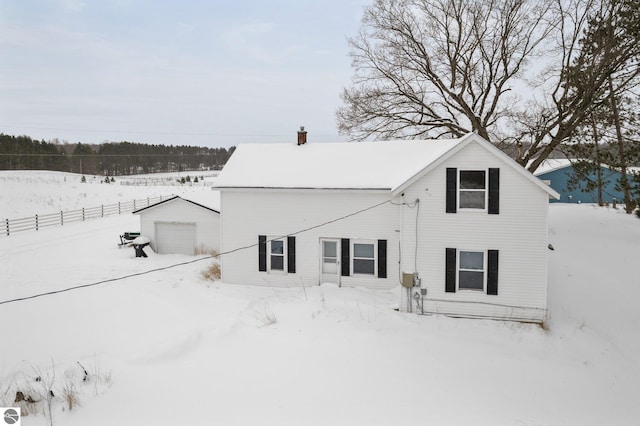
x=553 y=164
x=174 y=198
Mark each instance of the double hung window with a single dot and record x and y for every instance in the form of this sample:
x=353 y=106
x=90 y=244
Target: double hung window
x=471 y=270
x=277 y=255
x=364 y=260
x=473 y=189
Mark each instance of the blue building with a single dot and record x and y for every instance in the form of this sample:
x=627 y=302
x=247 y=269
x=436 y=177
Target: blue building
x=560 y=172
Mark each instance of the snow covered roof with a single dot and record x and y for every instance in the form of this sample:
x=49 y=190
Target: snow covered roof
x=177 y=197
x=355 y=165
x=382 y=165
x=552 y=164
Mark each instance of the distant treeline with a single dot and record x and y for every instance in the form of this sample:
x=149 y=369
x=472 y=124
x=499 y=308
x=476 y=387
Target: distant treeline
x=109 y=159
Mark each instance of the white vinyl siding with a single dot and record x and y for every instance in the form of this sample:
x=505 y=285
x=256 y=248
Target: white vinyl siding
x=207 y=222
x=519 y=232
x=249 y=213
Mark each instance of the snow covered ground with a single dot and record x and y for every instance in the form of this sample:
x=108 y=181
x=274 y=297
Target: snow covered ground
x=26 y=192
x=168 y=347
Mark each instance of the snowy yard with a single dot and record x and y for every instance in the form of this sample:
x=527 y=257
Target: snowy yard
x=169 y=348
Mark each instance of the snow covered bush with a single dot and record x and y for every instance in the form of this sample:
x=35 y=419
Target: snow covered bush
x=40 y=391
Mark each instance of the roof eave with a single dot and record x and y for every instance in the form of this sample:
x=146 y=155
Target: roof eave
x=464 y=141
x=172 y=199
x=305 y=188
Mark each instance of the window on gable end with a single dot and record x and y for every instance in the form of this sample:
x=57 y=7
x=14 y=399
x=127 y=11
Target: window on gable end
x=472 y=191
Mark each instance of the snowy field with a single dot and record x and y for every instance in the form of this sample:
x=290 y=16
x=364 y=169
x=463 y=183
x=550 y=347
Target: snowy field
x=168 y=347
x=26 y=193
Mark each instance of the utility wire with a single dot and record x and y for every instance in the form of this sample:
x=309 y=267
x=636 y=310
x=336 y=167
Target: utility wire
x=146 y=132
x=49 y=293
x=103 y=281
x=97 y=155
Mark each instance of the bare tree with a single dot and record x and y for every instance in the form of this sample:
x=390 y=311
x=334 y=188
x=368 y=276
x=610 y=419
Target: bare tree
x=501 y=68
x=439 y=67
x=597 y=43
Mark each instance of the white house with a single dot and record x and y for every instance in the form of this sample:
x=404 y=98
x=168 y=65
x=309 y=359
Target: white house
x=178 y=225
x=459 y=214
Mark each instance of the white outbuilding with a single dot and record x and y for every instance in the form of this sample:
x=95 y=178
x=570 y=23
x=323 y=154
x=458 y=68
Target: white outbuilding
x=178 y=225
x=457 y=226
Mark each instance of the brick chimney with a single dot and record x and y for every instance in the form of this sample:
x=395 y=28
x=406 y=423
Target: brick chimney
x=302 y=136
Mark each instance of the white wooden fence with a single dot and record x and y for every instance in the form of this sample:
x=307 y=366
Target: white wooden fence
x=36 y=222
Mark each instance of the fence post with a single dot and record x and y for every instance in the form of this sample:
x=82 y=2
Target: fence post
x=36 y=222
x=118 y=207
x=61 y=218
x=83 y=214
x=102 y=210
x=147 y=201
x=7 y=221
x=134 y=205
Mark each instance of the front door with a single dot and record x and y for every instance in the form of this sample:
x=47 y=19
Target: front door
x=330 y=261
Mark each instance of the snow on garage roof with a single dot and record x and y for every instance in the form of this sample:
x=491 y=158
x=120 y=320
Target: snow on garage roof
x=552 y=164
x=211 y=202
x=343 y=165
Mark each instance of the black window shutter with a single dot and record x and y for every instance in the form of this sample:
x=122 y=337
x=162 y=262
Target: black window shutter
x=492 y=274
x=450 y=266
x=494 y=191
x=382 y=258
x=452 y=188
x=262 y=253
x=291 y=255
x=344 y=256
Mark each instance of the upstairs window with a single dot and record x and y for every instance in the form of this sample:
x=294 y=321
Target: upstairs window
x=473 y=189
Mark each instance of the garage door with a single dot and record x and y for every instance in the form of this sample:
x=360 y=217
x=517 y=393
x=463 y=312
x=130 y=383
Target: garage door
x=175 y=238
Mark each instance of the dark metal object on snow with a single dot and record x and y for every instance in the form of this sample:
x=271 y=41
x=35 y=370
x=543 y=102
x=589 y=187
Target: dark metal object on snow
x=127 y=238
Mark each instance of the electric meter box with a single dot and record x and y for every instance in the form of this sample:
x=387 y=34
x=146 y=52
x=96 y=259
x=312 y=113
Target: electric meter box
x=407 y=280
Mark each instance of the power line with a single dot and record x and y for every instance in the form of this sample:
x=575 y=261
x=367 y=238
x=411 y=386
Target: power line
x=97 y=155
x=49 y=293
x=147 y=132
x=102 y=282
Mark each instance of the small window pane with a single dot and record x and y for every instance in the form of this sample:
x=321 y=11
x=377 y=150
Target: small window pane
x=277 y=247
x=471 y=280
x=363 y=266
x=472 y=260
x=330 y=248
x=472 y=199
x=363 y=250
x=277 y=263
x=472 y=179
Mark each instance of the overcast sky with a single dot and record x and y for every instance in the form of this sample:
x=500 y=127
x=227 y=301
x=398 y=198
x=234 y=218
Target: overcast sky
x=191 y=72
